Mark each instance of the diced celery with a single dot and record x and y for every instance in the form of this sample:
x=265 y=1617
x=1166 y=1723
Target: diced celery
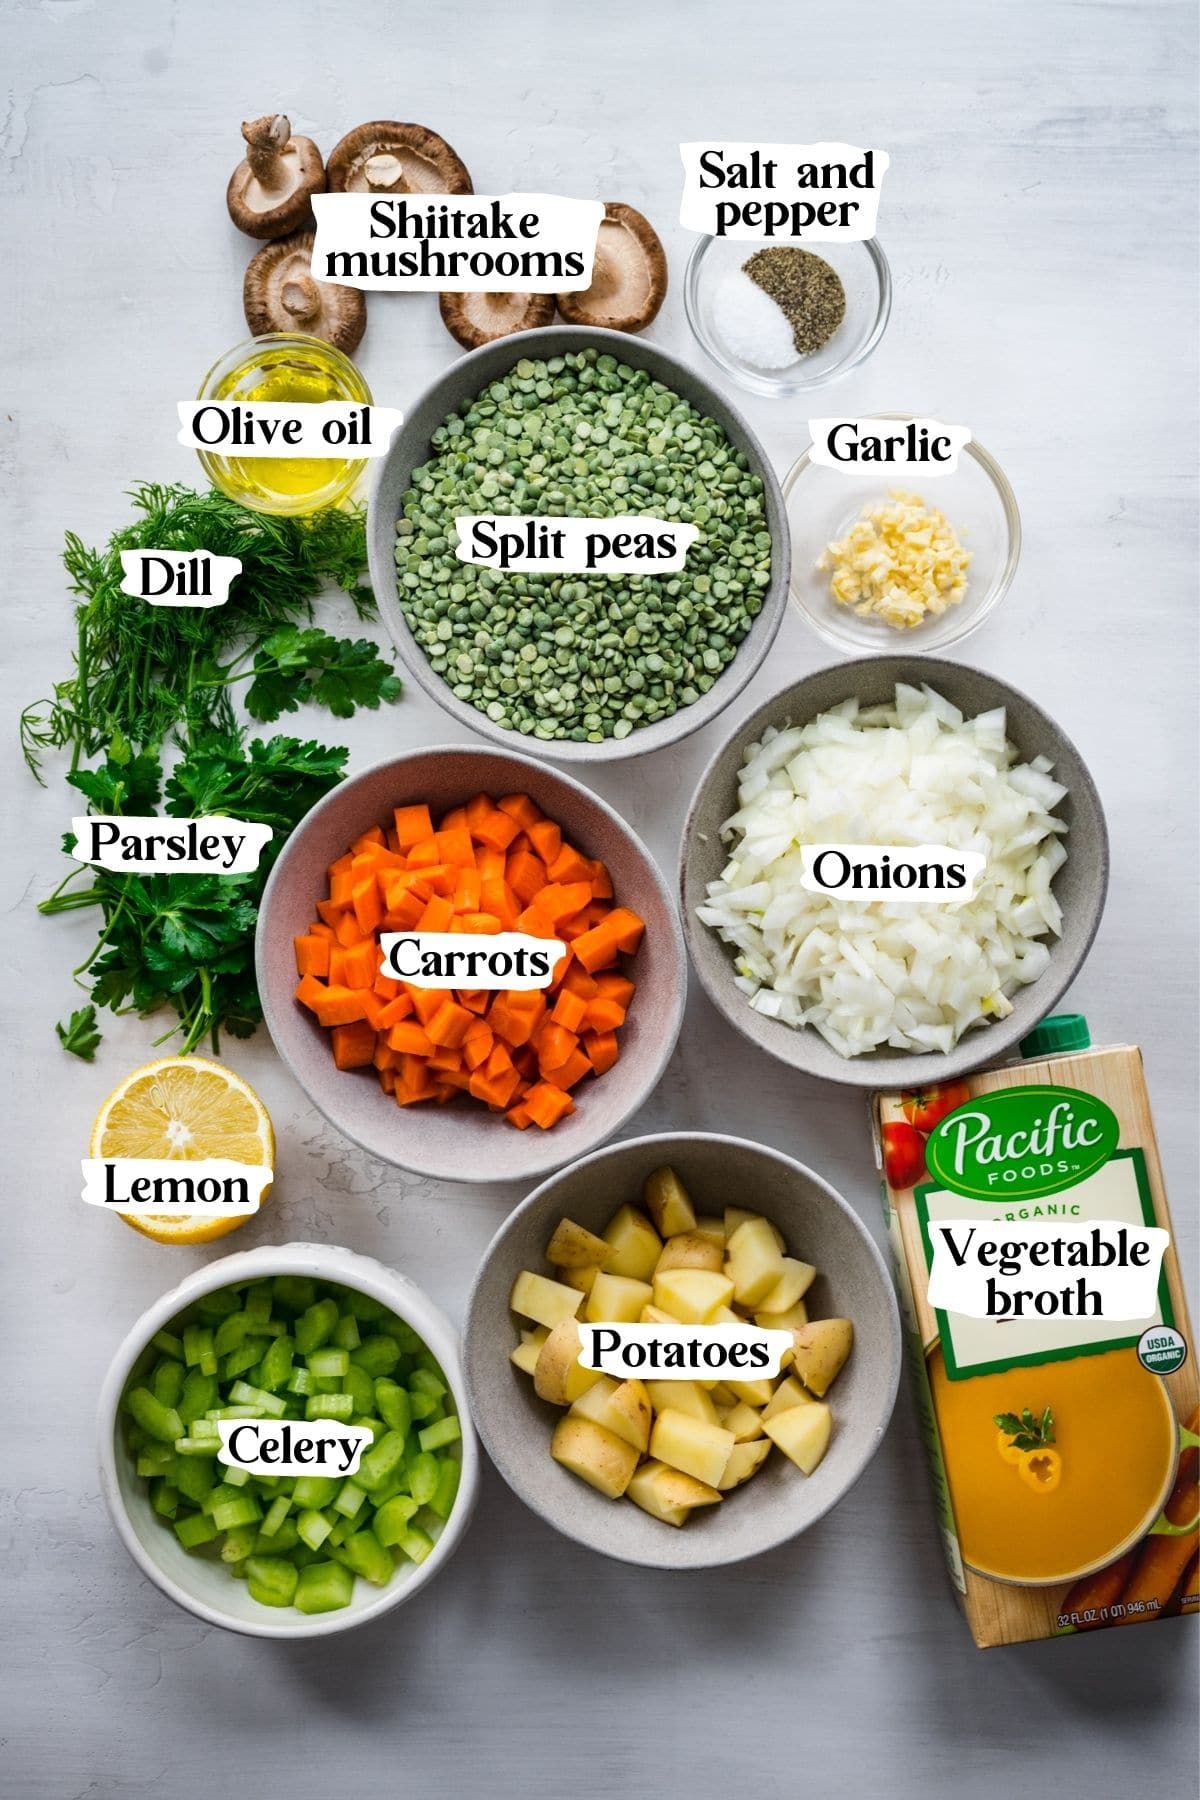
x=195 y=1478
x=302 y=1556
x=194 y=1446
x=391 y=1521
x=206 y=1428
x=423 y=1405
x=276 y=1513
x=164 y=1498
x=416 y=1544
x=392 y=1402
x=424 y=1381
x=422 y=1477
x=231 y=1333
x=315 y=1325
x=258 y=1306
x=314 y=1528
x=169 y=1344
x=329 y=1406
x=218 y=1413
x=242 y=1510
x=198 y=1349
x=247 y=1355
x=449 y=1472
x=368 y=1558
x=166 y=1383
x=437 y=1436
x=276 y=1365
x=199 y=1393
x=361 y=1389
x=218 y=1495
x=301 y=1382
x=328 y=1363
x=346 y=1334
x=280 y=1543
x=377 y=1355
x=294 y=1293
x=349 y=1500
x=273 y=1581
x=363 y=1307
x=158 y=1421
x=239 y=1544
x=376 y=1427
x=245 y=1395
x=217 y=1305
x=195 y=1529
x=314 y=1491
x=381 y=1461
x=341 y=1531
x=323 y=1587
x=157 y=1459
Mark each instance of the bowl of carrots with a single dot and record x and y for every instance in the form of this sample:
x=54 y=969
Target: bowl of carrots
x=468 y=1083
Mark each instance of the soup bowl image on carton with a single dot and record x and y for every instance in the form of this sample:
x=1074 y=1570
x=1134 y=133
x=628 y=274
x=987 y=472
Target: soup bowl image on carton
x=1062 y=1432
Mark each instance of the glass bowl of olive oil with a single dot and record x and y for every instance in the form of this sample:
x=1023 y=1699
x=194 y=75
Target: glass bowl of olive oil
x=284 y=367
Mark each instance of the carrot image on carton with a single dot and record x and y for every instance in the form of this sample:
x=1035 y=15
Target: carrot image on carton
x=1049 y=1339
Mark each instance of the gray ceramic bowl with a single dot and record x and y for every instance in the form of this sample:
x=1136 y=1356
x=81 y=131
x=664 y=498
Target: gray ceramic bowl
x=464 y=1142
x=1080 y=885
x=853 y=1283
x=410 y=448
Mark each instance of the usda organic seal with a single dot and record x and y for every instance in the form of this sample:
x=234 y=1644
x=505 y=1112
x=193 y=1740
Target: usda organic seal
x=1162 y=1350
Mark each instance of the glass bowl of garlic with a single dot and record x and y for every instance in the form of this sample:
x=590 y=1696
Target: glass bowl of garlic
x=885 y=560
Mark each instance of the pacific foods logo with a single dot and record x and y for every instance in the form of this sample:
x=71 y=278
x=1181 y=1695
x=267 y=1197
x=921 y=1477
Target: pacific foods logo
x=1021 y=1143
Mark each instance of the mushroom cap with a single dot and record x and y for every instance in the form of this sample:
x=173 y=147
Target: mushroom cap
x=629 y=276
x=427 y=164
x=270 y=192
x=476 y=319
x=280 y=293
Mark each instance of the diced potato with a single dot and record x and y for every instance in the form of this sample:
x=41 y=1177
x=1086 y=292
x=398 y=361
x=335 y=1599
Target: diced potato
x=745 y=1460
x=753 y=1262
x=711 y=1226
x=688 y=1250
x=693 y=1445
x=575 y=1247
x=634 y=1245
x=783 y=1321
x=691 y=1295
x=822 y=1347
x=668 y=1494
x=802 y=1433
x=526 y=1357
x=754 y=1393
x=744 y=1421
x=560 y=1377
x=654 y=1315
x=534 y=1334
x=622 y=1407
x=685 y=1396
x=617 y=1298
x=599 y=1457
x=667 y=1203
x=734 y=1217
x=788 y=1393
x=792 y=1285
x=723 y=1395
x=582 y=1280
x=537 y=1297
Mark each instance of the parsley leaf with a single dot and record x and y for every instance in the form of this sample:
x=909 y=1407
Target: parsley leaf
x=80 y=1034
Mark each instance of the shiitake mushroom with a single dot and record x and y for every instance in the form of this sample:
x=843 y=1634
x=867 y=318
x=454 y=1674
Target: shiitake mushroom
x=270 y=192
x=280 y=293
x=629 y=275
x=386 y=156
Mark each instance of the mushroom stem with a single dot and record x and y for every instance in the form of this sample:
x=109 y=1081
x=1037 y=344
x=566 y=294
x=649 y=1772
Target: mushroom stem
x=385 y=174
x=300 y=298
x=266 y=140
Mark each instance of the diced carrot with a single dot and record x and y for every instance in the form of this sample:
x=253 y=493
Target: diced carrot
x=467 y=890
x=602 y=885
x=311 y=992
x=572 y=1071
x=521 y=1015
x=494 y=1090
x=387 y=986
x=455 y=819
x=329 y=911
x=375 y=1008
x=490 y=863
x=559 y=901
x=600 y=1048
x=413 y=825
x=393 y=1012
x=496 y=897
x=578 y=981
x=518 y=1115
x=477 y=1048
x=312 y=955
x=385 y=1057
x=368 y=905
x=444 y=1058
x=571 y=865
x=321 y=930
x=615 y=987
x=408 y=1038
x=480 y=924
x=476 y=1000
x=568 y=1011
x=341 y=888
x=496 y=832
x=424 y=854
x=455 y=847
x=405 y=914
x=546 y=839
x=521 y=808
x=525 y=875
x=373 y=835
x=604 y=1015
x=554 y=1046
x=629 y=928
x=600 y=947
x=360 y=964
x=499 y=1062
x=425 y=1000
x=339 y=1006
x=546 y=1105
x=353 y=1045
x=449 y=1024
x=387 y=1080
x=436 y=916
x=536 y=922
x=347 y=930
x=342 y=865
x=569 y=929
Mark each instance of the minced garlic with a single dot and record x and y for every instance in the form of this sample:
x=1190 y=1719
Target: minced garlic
x=900 y=561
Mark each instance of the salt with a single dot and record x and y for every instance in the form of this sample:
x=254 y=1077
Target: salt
x=750 y=324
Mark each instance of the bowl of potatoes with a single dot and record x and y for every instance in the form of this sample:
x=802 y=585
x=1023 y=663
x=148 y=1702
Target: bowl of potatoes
x=682 y=1470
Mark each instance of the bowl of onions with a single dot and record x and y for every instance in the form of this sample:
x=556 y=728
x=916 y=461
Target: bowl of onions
x=874 y=970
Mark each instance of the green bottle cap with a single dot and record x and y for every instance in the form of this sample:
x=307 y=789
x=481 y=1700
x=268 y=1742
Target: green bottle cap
x=1057 y=1036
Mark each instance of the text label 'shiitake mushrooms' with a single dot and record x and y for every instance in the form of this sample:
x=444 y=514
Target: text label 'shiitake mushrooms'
x=270 y=192
x=386 y=156
x=280 y=293
x=629 y=276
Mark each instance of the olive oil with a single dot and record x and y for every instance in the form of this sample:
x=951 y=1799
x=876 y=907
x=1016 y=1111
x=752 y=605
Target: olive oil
x=284 y=368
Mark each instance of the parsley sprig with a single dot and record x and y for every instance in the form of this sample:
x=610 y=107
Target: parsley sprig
x=1026 y=1432
x=153 y=697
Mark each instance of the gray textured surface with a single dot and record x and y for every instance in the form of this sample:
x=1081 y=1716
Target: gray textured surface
x=853 y=1282
x=1038 y=217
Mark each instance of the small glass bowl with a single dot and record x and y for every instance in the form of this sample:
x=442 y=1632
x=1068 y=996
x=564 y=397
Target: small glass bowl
x=319 y=372
x=823 y=503
x=866 y=278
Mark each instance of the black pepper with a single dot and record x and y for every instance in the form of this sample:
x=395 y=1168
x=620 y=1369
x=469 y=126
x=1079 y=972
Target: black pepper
x=806 y=289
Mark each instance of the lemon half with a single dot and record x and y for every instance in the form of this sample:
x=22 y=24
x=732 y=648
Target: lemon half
x=185 y=1109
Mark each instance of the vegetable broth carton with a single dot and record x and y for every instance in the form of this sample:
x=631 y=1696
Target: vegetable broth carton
x=1049 y=1339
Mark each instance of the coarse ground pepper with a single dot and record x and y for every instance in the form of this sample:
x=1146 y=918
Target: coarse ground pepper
x=585 y=657
x=805 y=288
